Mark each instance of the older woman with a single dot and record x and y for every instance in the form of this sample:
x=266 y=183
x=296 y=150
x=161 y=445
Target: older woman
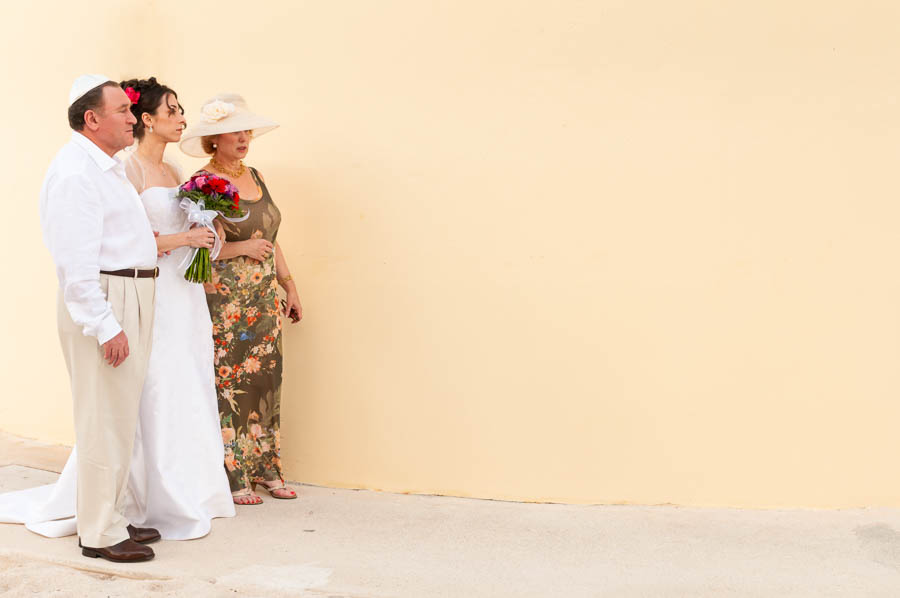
x=244 y=303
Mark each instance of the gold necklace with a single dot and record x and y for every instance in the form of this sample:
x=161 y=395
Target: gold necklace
x=238 y=173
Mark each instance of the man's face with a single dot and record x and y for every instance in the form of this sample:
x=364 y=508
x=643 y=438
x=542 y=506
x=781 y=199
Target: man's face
x=114 y=120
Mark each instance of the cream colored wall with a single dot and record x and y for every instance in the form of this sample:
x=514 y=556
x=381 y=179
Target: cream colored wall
x=573 y=251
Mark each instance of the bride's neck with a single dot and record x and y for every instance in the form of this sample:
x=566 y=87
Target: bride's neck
x=151 y=148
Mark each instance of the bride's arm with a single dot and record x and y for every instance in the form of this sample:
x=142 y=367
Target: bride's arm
x=199 y=236
x=195 y=237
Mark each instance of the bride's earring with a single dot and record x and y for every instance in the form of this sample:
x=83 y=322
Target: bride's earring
x=151 y=128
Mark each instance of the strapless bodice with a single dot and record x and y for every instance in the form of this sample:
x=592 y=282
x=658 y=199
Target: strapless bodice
x=163 y=211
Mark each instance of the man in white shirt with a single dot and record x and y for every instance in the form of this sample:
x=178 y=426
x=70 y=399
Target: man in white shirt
x=105 y=255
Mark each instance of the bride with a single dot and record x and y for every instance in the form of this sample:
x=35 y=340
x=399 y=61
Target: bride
x=177 y=483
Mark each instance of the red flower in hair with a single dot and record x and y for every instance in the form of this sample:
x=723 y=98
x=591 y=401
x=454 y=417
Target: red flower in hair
x=133 y=94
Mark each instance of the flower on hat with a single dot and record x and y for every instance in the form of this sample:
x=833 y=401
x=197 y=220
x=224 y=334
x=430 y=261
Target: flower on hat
x=216 y=111
x=133 y=94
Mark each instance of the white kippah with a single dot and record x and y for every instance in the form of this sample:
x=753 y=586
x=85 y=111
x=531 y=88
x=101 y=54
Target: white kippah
x=84 y=84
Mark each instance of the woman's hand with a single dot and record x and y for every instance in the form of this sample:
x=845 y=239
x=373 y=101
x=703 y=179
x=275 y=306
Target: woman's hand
x=258 y=249
x=201 y=236
x=292 y=307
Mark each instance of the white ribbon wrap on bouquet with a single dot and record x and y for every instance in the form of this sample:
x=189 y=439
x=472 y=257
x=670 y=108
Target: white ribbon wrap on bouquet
x=197 y=214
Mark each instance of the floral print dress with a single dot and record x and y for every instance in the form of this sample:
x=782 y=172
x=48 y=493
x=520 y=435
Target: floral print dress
x=244 y=306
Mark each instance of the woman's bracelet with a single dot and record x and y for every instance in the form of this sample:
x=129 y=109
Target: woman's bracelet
x=285 y=280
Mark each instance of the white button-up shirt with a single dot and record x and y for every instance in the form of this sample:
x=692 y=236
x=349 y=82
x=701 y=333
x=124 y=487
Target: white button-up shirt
x=93 y=220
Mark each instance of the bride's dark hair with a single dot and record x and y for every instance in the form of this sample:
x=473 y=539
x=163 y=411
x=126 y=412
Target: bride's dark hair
x=152 y=95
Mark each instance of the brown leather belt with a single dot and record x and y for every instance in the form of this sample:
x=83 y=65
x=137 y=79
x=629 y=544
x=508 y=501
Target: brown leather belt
x=133 y=273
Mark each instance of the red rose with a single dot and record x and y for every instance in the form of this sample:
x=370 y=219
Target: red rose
x=219 y=185
x=207 y=189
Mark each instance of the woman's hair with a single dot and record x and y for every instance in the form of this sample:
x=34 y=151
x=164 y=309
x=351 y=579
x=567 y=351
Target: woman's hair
x=207 y=143
x=152 y=94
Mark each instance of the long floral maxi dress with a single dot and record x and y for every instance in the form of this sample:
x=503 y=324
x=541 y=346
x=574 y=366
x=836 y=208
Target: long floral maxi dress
x=244 y=306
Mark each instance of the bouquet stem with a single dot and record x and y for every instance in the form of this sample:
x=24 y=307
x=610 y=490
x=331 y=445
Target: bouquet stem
x=200 y=269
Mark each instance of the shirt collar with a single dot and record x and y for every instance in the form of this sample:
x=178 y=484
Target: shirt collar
x=103 y=160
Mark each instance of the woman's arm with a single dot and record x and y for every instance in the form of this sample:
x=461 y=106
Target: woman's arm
x=231 y=249
x=196 y=237
x=257 y=249
x=220 y=232
x=287 y=283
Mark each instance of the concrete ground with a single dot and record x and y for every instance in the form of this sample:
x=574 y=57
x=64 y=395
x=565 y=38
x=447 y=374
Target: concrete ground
x=344 y=543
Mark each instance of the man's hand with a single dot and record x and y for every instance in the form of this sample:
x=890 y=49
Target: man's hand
x=158 y=252
x=115 y=350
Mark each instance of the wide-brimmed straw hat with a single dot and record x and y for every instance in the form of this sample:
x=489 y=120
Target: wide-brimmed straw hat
x=223 y=113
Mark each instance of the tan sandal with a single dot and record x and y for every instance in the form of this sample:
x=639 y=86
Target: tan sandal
x=246 y=497
x=281 y=491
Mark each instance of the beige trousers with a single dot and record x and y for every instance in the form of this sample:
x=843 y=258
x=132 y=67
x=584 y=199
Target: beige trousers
x=105 y=401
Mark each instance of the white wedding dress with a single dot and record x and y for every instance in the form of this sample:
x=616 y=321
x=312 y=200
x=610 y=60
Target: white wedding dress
x=177 y=482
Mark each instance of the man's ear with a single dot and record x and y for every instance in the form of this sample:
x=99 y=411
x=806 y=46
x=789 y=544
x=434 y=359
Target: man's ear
x=91 y=121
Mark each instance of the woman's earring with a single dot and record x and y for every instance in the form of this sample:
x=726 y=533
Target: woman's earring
x=215 y=146
x=151 y=128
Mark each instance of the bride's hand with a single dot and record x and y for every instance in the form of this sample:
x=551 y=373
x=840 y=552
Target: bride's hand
x=201 y=237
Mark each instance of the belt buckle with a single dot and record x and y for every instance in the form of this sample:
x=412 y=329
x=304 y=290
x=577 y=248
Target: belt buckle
x=135 y=272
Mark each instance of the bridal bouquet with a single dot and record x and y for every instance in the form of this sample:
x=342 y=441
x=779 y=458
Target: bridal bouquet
x=204 y=197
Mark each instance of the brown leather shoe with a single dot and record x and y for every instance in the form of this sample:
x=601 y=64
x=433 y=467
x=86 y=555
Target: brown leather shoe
x=143 y=535
x=126 y=551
